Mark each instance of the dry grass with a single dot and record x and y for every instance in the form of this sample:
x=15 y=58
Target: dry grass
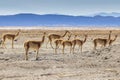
x=101 y=64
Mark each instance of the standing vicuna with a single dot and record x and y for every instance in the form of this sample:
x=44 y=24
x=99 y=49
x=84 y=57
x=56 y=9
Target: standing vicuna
x=113 y=40
x=79 y=43
x=102 y=42
x=35 y=45
x=52 y=37
x=9 y=37
x=58 y=42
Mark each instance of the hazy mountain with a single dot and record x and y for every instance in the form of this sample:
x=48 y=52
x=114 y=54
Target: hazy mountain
x=115 y=14
x=57 y=20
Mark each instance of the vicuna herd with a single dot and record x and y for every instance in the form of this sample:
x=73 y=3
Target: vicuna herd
x=58 y=41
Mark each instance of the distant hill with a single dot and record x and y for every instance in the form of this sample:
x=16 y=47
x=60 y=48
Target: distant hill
x=115 y=14
x=58 y=20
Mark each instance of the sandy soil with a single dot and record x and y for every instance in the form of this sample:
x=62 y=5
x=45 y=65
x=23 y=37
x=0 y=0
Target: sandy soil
x=100 y=64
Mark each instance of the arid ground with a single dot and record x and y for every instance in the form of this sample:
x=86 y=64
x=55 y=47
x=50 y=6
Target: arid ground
x=100 y=64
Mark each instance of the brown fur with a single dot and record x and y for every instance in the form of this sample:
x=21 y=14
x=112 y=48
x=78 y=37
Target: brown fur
x=78 y=42
x=52 y=37
x=66 y=43
x=113 y=40
x=102 y=42
x=10 y=37
x=58 y=42
x=33 y=45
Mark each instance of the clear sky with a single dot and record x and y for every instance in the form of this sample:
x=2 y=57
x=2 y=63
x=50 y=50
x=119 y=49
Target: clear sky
x=67 y=7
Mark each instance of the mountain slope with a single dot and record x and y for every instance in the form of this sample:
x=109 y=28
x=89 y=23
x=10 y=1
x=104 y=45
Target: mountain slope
x=57 y=20
x=115 y=14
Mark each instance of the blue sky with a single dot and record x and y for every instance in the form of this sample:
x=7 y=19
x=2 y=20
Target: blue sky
x=67 y=7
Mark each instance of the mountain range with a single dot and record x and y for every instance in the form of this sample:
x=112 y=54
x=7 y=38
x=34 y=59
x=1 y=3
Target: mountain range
x=28 y=19
x=115 y=14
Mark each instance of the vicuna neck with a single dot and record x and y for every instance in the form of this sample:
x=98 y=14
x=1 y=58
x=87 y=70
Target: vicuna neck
x=115 y=38
x=64 y=34
x=43 y=38
x=85 y=39
x=17 y=34
x=109 y=36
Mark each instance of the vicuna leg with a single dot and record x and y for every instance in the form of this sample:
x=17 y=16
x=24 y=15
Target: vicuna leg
x=26 y=53
x=56 y=48
x=37 y=54
x=51 y=43
x=12 y=43
x=63 y=49
x=3 y=44
x=70 y=49
x=47 y=43
x=73 y=48
x=81 y=48
x=95 y=45
x=105 y=44
x=102 y=45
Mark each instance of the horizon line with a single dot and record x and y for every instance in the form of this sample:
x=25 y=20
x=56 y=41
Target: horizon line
x=91 y=14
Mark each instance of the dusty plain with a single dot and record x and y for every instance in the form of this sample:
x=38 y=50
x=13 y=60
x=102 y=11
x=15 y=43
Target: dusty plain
x=100 y=64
